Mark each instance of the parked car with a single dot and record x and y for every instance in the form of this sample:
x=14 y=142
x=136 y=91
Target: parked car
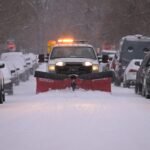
x=18 y=60
x=105 y=58
x=142 y=85
x=8 y=84
x=31 y=61
x=14 y=72
x=2 y=93
x=129 y=76
x=130 y=47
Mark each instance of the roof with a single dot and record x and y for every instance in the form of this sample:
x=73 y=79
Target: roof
x=136 y=37
x=109 y=51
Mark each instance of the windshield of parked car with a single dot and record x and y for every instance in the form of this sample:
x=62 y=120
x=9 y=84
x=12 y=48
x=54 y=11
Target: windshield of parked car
x=73 y=52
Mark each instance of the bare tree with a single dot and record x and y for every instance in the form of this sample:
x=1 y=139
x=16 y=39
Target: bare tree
x=33 y=22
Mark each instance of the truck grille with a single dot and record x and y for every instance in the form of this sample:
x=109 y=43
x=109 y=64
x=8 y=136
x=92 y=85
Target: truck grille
x=73 y=68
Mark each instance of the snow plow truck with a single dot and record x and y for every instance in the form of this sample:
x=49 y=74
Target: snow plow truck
x=72 y=64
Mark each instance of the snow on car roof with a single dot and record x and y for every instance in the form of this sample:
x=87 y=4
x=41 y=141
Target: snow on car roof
x=109 y=51
x=133 y=61
x=136 y=37
x=4 y=55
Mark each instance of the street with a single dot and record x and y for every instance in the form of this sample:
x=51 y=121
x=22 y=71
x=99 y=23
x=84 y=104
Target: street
x=67 y=120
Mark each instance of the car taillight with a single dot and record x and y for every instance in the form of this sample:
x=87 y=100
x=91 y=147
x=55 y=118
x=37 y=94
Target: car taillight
x=132 y=70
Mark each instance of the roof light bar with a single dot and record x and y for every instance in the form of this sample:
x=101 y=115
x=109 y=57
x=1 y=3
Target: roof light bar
x=65 y=40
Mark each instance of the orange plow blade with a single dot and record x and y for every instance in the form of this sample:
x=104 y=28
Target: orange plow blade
x=43 y=85
x=47 y=81
x=98 y=84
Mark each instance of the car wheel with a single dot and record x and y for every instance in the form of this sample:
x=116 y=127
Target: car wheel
x=140 y=88
x=17 y=82
x=24 y=77
x=117 y=82
x=124 y=84
x=146 y=93
x=10 y=89
x=1 y=98
x=143 y=92
x=128 y=85
x=3 y=95
x=136 y=88
x=10 y=92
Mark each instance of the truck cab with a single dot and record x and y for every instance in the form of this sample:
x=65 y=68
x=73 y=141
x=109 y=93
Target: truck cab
x=73 y=59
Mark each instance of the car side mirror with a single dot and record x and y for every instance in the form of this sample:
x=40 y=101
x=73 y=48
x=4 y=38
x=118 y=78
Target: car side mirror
x=137 y=63
x=12 y=71
x=2 y=65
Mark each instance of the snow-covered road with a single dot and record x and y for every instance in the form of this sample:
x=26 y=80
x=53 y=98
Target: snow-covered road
x=80 y=120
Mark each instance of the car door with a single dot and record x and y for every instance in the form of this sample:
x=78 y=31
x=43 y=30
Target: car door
x=143 y=68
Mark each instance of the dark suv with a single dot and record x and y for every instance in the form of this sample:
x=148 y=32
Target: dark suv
x=142 y=85
x=130 y=47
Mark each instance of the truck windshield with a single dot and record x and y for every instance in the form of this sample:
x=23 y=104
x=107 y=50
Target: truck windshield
x=73 y=52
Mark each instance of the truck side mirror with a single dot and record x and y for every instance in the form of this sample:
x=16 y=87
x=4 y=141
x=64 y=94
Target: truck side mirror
x=99 y=58
x=43 y=58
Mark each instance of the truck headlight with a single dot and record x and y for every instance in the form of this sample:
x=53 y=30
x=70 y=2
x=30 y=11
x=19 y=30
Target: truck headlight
x=51 y=68
x=87 y=64
x=60 y=64
x=95 y=68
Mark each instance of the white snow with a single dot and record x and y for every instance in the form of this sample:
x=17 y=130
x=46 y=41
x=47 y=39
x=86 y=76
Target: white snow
x=80 y=120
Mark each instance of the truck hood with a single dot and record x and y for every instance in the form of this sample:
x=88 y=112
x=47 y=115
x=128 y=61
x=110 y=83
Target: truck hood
x=75 y=60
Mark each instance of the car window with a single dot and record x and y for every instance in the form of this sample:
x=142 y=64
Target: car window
x=137 y=63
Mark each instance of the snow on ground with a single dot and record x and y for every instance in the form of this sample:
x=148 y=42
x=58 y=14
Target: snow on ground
x=80 y=120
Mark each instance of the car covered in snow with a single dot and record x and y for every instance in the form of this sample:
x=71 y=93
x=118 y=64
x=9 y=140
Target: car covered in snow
x=129 y=76
x=105 y=58
x=19 y=62
x=14 y=72
x=31 y=62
